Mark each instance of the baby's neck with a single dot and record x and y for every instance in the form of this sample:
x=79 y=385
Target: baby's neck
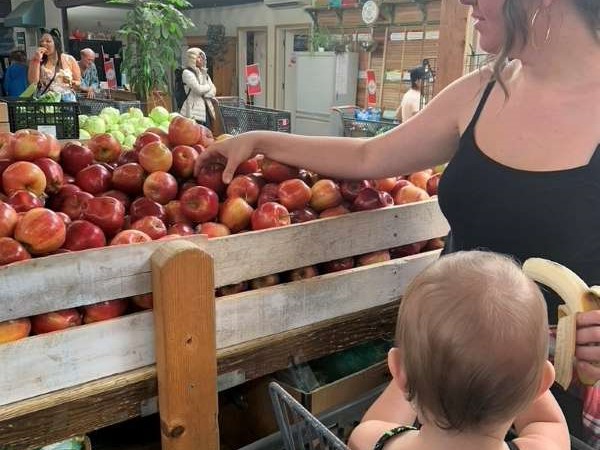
x=433 y=437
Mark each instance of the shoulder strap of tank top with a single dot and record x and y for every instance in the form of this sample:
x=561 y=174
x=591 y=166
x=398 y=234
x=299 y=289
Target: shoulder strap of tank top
x=512 y=445
x=482 y=102
x=390 y=434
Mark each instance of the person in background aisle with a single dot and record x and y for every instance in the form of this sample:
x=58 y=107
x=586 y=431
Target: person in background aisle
x=53 y=70
x=198 y=88
x=411 y=101
x=15 y=77
x=522 y=138
x=471 y=360
x=89 y=73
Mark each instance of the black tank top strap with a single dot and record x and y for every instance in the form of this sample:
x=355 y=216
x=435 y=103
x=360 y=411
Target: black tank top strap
x=482 y=102
x=595 y=159
x=512 y=445
x=390 y=434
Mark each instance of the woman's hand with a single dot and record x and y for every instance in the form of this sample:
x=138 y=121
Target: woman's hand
x=587 y=351
x=39 y=53
x=232 y=152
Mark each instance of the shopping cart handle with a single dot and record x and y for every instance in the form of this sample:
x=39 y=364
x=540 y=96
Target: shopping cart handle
x=340 y=107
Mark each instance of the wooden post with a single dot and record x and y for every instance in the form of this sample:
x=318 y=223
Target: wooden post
x=186 y=362
x=383 y=64
x=452 y=42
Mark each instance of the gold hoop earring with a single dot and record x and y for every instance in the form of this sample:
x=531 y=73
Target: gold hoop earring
x=548 y=35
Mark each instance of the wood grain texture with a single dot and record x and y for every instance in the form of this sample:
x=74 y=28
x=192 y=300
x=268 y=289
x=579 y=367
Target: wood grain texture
x=75 y=279
x=186 y=360
x=452 y=43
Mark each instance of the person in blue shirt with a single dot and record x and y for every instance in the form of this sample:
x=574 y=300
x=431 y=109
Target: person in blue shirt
x=89 y=74
x=15 y=77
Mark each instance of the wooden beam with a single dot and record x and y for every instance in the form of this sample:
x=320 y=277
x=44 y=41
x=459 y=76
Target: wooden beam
x=452 y=42
x=50 y=418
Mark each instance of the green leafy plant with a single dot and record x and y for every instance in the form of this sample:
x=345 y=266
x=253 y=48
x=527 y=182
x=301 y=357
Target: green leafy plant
x=320 y=38
x=153 y=35
x=216 y=44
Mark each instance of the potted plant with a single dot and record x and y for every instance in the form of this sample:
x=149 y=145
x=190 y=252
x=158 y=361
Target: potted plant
x=320 y=39
x=153 y=35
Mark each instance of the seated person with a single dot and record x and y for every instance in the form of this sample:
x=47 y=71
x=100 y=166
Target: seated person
x=15 y=77
x=471 y=361
x=89 y=74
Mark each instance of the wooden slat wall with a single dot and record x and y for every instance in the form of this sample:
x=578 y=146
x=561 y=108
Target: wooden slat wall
x=401 y=55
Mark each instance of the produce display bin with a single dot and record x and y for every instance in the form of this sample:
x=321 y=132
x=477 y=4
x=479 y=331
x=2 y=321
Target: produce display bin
x=239 y=117
x=93 y=106
x=60 y=118
x=354 y=127
x=83 y=378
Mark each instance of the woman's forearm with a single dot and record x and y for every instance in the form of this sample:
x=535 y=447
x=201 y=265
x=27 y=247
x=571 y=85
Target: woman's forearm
x=33 y=71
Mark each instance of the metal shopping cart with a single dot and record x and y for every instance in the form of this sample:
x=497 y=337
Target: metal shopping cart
x=239 y=117
x=353 y=126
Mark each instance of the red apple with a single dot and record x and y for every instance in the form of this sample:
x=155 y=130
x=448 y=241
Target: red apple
x=268 y=193
x=184 y=161
x=200 y=204
x=206 y=136
x=199 y=148
x=75 y=157
x=235 y=214
x=185 y=186
x=325 y=194
x=12 y=251
x=385 y=184
x=433 y=244
x=303 y=215
x=129 y=178
x=145 y=138
x=23 y=201
x=399 y=185
x=310 y=178
x=94 y=179
x=232 y=289
x=184 y=131
x=373 y=257
x=55 y=201
x=8 y=219
x=121 y=196
x=55 y=321
x=294 y=194
x=54 y=148
x=66 y=219
x=151 y=225
x=270 y=215
x=164 y=137
x=105 y=148
x=82 y=235
x=276 y=172
x=407 y=250
x=4 y=163
x=128 y=156
x=211 y=176
x=333 y=212
x=130 y=237
x=106 y=212
x=24 y=176
x=13 y=330
x=143 y=207
x=72 y=204
x=248 y=167
x=155 y=156
x=55 y=177
x=41 y=231
x=370 y=198
x=303 y=273
x=338 y=265
x=181 y=229
x=213 y=229
x=143 y=301
x=266 y=281
x=244 y=186
x=174 y=214
x=350 y=188
x=7 y=145
x=410 y=194
x=110 y=309
x=160 y=187
x=30 y=145
x=419 y=179
x=432 y=184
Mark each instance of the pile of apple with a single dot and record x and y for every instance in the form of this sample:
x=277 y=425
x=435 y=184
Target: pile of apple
x=83 y=196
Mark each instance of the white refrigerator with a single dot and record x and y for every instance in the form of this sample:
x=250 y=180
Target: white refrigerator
x=323 y=80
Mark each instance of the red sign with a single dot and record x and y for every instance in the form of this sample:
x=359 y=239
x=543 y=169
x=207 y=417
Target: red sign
x=111 y=75
x=371 y=88
x=253 y=79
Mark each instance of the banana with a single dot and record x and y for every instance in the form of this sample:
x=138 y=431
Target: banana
x=578 y=297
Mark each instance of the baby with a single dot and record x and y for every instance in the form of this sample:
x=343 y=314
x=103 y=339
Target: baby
x=470 y=361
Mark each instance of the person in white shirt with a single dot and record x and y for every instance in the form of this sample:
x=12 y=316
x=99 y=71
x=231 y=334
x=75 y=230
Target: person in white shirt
x=411 y=102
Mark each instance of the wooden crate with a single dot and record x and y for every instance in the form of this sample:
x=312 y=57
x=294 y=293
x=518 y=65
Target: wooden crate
x=71 y=382
x=4 y=121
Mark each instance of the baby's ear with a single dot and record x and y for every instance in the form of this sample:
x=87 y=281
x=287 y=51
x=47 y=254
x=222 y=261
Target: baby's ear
x=548 y=377
x=396 y=368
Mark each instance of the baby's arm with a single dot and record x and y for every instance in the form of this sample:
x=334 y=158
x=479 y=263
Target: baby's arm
x=542 y=426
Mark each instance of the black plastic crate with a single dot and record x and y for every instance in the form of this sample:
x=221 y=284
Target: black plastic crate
x=93 y=106
x=239 y=117
x=30 y=114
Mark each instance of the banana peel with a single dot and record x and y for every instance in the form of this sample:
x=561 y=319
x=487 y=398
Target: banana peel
x=223 y=137
x=578 y=297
